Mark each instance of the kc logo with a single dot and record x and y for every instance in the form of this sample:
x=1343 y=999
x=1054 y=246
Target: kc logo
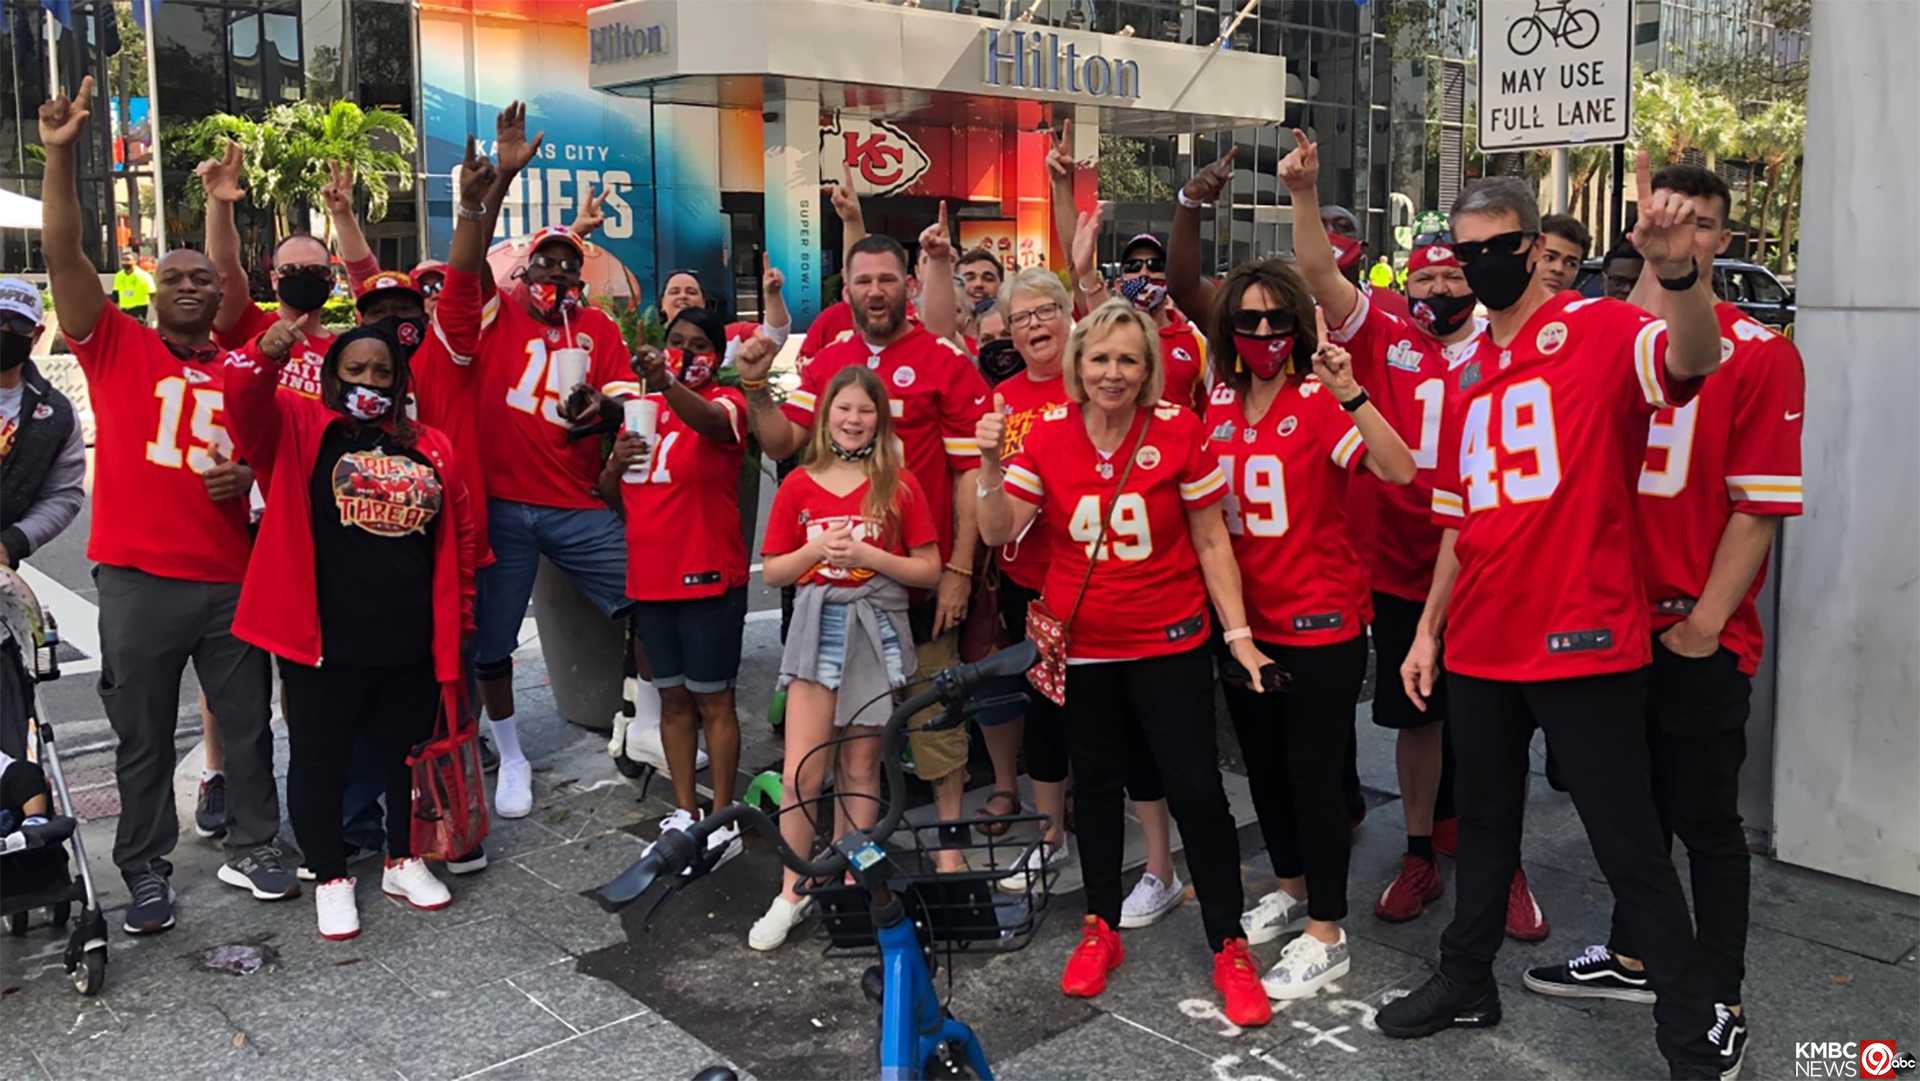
x=882 y=157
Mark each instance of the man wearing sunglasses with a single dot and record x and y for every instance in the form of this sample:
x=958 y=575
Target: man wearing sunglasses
x=1539 y=588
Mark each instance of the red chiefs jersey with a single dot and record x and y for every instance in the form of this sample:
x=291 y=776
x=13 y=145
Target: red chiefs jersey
x=1024 y=559
x=161 y=423
x=1404 y=370
x=1542 y=443
x=683 y=518
x=1286 y=482
x=1185 y=355
x=526 y=451
x=1391 y=301
x=445 y=381
x=802 y=510
x=834 y=323
x=304 y=365
x=1733 y=448
x=936 y=395
x=1146 y=597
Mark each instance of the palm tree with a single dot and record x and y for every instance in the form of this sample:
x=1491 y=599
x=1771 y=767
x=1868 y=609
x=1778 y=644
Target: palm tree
x=1673 y=114
x=288 y=152
x=1773 y=137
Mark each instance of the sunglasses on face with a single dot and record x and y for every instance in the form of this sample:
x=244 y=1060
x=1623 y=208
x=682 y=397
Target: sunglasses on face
x=1150 y=266
x=1037 y=315
x=18 y=324
x=312 y=270
x=432 y=288
x=1248 y=320
x=568 y=263
x=1469 y=250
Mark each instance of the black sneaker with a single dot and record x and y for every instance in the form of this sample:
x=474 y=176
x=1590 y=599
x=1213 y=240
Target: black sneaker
x=1594 y=974
x=1440 y=1004
x=210 y=810
x=489 y=758
x=1729 y=1038
x=355 y=854
x=470 y=864
x=261 y=872
x=152 y=908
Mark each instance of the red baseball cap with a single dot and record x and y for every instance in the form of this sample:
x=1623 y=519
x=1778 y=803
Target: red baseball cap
x=382 y=282
x=1431 y=255
x=557 y=232
x=425 y=267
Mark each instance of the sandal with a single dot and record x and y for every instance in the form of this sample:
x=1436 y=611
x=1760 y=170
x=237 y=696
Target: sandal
x=988 y=827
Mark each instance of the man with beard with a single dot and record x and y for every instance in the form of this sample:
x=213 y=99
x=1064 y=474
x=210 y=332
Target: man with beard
x=302 y=279
x=43 y=459
x=170 y=535
x=1540 y=590
x=1410 y=359
x=937 y=395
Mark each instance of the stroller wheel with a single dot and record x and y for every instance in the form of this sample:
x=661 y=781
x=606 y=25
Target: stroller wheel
x=61 y=912
x=90 y=976
x=17 y=924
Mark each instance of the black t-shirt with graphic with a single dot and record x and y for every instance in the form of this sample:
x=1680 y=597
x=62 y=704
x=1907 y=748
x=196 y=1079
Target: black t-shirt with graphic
x=375 y=507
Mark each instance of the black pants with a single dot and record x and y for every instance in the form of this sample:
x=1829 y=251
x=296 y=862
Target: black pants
x=1160 y=708
x=1598 y=722
x=326 y=709
x=1294 y=744
x=1697 y=732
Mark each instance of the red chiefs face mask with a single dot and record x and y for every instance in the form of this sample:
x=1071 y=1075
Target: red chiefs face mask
x=693 y=370
x=1265 y=356
x=1346 y=250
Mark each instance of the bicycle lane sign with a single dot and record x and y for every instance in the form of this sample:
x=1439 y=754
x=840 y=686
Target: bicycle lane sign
x=1555 y=72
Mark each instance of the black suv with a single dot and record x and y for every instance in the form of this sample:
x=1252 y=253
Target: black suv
x=1750 y=286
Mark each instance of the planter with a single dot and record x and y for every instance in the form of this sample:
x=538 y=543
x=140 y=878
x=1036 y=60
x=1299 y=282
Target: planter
x=584 y=651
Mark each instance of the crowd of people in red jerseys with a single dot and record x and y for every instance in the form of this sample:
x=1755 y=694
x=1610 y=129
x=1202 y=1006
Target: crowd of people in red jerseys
x=1540 y=510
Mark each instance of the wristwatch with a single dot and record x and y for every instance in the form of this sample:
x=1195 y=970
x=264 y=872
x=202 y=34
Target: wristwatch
x=1353 y=404
x=1190 y=204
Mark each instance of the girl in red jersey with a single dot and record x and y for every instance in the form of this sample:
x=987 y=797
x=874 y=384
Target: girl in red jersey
x=1289 y=425
x=853 y=532
x=365 y=557
x=1128 y=488
x=686 y=560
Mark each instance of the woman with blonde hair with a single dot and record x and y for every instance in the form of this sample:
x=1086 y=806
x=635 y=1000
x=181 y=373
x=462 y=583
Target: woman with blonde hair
x=853 y=532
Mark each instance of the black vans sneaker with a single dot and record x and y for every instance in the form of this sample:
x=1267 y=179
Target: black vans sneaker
x=151 y=910
x=1729 y=1037
x=1440 y=1004
x=1597 y=973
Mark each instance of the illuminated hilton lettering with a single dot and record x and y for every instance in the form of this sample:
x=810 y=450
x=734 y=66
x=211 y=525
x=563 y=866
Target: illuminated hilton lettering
x=1035 y=61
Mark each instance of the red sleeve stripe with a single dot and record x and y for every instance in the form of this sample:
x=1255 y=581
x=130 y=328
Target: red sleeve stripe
x=1195 y=491
x=802 y=400
x=1024 y=483
x=1649 y=353
x=964 y=449
x=1448 y=504
x=733 y=419
x=1349 y=445
x=1764 y=488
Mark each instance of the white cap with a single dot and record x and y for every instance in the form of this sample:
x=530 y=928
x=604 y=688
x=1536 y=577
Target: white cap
x=19 y=296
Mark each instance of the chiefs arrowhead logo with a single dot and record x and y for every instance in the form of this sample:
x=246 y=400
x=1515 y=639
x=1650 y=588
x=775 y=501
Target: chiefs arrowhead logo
x=882 y=157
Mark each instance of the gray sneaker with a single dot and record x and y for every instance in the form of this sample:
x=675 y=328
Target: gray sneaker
x=151 y=910
x=263 y=872
x=210 y=808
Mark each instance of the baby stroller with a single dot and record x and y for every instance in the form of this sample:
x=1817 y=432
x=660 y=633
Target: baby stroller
x=35 y=871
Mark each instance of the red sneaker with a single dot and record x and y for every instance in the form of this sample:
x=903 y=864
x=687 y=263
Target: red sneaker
x=1239 y=984
x=1446 y=836
x=1411 y=891
x=1525 y=921
x=1098 y=953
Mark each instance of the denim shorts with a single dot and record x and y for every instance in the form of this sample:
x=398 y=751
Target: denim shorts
x=693 y=644
x=589 y=546
x=832 y=660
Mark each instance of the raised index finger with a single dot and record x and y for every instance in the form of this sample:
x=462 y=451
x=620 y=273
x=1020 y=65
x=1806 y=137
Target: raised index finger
x=1320 y=326
x=1300 y=140
x=1643 y=178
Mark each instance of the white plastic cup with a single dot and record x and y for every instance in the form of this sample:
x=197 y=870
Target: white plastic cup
x=643 y=420
x=571 y=367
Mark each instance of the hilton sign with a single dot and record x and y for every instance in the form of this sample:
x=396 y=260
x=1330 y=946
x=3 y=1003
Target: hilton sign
x=621 y=41
x=1034 y=60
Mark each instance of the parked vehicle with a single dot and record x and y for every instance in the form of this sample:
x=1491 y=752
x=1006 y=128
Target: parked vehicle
x=1751 y=286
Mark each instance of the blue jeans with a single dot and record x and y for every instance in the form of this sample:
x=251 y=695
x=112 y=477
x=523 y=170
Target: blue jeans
x=588 y=545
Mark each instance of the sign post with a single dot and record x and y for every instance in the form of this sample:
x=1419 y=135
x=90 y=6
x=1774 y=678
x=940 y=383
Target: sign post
x=1555 y=73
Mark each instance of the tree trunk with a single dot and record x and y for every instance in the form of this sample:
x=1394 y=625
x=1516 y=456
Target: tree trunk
x=1784 y=263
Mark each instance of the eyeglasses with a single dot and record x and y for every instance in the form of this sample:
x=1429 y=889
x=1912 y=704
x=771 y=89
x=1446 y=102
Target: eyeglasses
x=1248 y=320
x=1151 y=266
x=1034 y=316
x=1508 y=243
x=1428 y=240
x=432 y=288
x=568 y=263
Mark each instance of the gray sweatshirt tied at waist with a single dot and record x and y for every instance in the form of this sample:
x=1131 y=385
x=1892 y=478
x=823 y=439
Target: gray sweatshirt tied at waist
x=865 y=673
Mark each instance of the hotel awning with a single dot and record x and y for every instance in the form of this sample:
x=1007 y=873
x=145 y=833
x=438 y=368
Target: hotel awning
x=927 y=66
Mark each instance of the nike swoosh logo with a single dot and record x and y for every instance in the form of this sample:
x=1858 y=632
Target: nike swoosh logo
x=1791 y=415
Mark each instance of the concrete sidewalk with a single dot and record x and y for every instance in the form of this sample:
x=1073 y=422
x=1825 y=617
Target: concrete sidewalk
x=524 y=977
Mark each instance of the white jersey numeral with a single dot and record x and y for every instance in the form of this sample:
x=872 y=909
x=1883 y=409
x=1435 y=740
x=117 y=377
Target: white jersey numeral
x=205 y=436
x=1129 y=535
x=1675 y=436
x=1526 y=427
x=1256 y=504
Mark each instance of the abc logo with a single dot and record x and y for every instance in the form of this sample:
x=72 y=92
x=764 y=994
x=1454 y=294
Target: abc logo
x=1879 y=1058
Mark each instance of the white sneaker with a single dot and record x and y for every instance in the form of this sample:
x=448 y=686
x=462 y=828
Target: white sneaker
x=617 y=744
x=410 y=881
x=339 y=916
x=513 y=789
x=1041 y=857
x=1306 y=965
x=643 y=745
x=679 y=821
x=728 y=842
x=1150 y=900
x=1276 y=914
x=771 y=930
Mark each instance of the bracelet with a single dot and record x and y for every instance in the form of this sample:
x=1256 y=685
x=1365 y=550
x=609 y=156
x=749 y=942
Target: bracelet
x=1353 y=404
x=963 y=572
x=1099 y=283
x=753 y=385
x=1238 y=634
x=1681 y=285
x=1190 y=204
x=466 y=213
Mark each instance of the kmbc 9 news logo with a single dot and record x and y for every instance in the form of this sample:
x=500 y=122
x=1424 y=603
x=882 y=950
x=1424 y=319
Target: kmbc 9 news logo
x=1850 y=1058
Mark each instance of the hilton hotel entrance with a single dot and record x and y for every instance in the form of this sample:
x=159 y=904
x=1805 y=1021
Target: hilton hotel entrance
x=919 y=106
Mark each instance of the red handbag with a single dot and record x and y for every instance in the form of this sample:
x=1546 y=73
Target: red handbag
x=1047 y=631
x=449 y=788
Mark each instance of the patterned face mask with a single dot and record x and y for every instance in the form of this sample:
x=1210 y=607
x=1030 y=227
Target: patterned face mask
x=363 y=402
x=693 y=370
x=1145 y=293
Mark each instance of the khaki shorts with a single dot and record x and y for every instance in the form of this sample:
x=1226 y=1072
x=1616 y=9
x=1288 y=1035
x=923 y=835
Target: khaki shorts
x=937 y=754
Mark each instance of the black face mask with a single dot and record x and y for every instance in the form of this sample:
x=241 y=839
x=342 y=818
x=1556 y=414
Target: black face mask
x=303 y=292
x=14 y=350
x=1442 y=313
x=1500 y=278
x=408 y=331
x=1000 y=361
